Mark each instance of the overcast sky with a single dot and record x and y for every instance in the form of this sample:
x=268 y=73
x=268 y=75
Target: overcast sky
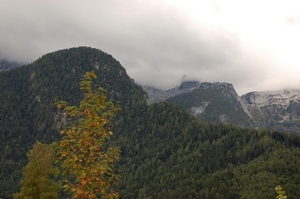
x=255 y=45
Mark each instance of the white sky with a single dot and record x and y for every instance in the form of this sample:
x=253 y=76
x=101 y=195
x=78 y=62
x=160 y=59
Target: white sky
x=254 y=45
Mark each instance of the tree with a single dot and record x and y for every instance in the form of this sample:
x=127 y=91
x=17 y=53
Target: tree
x=280 y=193
x=86 y=160
x=38 y=174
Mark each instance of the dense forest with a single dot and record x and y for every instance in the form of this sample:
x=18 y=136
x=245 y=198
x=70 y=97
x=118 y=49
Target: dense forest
x=165 y=151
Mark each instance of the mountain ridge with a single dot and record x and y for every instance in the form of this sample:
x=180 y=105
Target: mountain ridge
x=8 y=65
x=277 y=110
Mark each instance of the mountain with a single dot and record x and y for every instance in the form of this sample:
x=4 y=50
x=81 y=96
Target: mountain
x=28 y=94
x=5 y=65
x=166 y=152
x=219 y=103
x=274 y=109
x=214 y=103
x=157 y=95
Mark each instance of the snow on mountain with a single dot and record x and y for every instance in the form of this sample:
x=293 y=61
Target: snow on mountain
x=282 y=97
x=278 y=110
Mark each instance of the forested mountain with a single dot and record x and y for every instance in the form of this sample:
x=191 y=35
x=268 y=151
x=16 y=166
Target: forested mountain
x=214 y=103
x=219 y=103
x=165 y=151
x=28 y=94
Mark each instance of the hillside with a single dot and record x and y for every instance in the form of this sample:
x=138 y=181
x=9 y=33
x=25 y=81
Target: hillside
x=174 y=155
x=165 y=151
x=214 y=103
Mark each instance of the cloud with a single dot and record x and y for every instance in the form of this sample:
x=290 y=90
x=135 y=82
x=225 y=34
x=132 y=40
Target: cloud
x=158 y=42
x=293 y=20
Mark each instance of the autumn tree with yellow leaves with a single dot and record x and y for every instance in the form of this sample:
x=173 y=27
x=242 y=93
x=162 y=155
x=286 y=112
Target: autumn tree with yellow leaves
x=86 y=163
x=39 y=175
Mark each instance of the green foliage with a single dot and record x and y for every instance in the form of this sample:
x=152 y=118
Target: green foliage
x=85 y=161
x=39 y=174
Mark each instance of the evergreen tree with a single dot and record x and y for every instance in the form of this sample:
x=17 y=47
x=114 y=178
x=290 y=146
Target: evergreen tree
x=38 y=174
x=86 y=162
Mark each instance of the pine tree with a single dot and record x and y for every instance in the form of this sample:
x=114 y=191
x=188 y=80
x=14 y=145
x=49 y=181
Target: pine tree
x=38 y=174
x=86 y=162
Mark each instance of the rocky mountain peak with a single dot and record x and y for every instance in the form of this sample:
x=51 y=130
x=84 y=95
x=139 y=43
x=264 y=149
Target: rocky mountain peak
x=189 y=85
x=276 y=109
x=282 y=97
x=157 y=95
x=226 y=88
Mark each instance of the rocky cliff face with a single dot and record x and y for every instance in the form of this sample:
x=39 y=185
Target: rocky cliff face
x=226 y=89
x=189 y=85
x=278 y=110
x=213 y=102
x=157 y=95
